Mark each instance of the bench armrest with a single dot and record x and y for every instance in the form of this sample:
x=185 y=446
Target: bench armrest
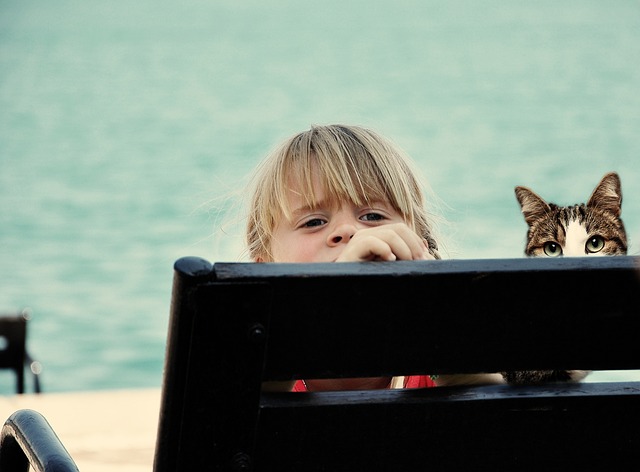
x=27 y=439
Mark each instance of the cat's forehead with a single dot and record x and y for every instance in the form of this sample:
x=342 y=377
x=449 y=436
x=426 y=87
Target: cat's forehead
x=575 y=239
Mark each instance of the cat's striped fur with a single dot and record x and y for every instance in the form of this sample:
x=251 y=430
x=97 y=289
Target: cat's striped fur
x=594 y=228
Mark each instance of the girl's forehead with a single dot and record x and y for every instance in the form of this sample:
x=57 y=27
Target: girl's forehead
x=299 y=202
x=315 y=189
x=311 y=193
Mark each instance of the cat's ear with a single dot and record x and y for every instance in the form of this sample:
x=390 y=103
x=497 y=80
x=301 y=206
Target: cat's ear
x=533 y=206
x=608 y=194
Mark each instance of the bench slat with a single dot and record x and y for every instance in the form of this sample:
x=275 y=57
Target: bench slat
x=486 y=428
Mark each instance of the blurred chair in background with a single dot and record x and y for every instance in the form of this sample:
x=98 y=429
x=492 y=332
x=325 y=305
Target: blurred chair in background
x=13 y=349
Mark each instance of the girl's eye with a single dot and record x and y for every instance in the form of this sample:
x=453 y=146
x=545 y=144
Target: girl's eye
x=595 y=244
x=552 y=249
x=372 y=217
x=313 y=223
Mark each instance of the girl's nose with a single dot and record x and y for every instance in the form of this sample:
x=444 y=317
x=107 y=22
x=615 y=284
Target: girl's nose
x=342 y=234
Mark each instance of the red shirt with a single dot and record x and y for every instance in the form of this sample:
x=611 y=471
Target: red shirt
x=410 y=381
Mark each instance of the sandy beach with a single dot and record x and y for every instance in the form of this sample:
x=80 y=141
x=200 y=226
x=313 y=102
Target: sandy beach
x=103 y=430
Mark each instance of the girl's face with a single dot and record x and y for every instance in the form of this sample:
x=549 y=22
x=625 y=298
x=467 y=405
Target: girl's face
x=320 y=234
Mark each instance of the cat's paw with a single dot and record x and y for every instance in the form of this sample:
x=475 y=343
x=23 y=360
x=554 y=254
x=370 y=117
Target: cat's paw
x=531 y=377
x=577 y=375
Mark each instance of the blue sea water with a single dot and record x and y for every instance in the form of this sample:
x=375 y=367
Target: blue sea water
x=127 y=130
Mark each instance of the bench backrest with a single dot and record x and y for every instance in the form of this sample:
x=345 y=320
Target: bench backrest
x=235 y=325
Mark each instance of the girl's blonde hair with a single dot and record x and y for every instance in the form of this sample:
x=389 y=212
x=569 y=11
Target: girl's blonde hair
x=354 y=164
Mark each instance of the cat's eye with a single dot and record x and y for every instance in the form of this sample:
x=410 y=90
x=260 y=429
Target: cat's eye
x=594 y=244
x=552 y=249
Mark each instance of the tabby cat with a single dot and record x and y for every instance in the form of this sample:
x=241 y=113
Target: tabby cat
x=594 y=229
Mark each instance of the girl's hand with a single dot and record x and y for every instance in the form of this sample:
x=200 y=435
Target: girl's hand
x=390 y=242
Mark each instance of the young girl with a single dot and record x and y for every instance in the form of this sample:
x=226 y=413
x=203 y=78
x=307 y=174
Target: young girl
x=338 y=194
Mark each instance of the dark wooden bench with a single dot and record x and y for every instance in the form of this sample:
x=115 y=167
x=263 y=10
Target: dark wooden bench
x=234 y=326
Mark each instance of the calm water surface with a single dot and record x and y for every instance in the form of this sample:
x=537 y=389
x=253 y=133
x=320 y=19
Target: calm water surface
x=127 y=130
